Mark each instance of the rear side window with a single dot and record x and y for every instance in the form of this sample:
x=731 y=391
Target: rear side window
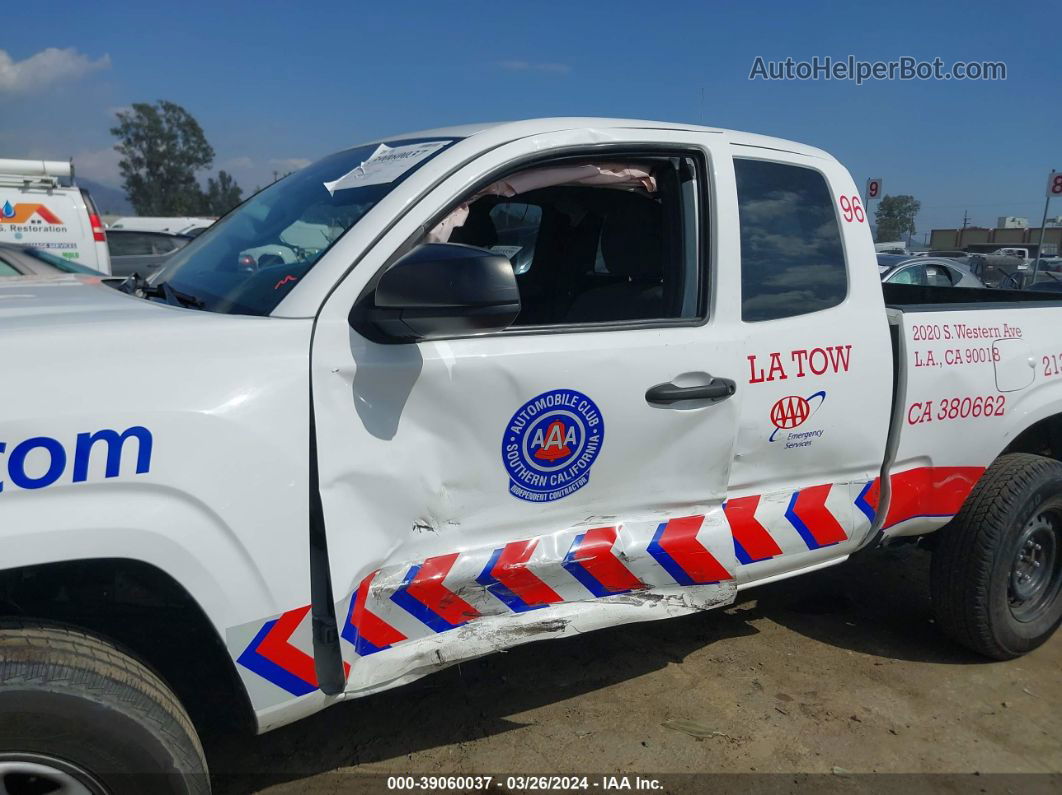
x=124 y=244
x=913 y=274
x=792 y=260
x=938 y=276
x=163 y=244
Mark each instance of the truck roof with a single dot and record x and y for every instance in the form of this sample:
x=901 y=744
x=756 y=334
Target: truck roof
x=513 y=130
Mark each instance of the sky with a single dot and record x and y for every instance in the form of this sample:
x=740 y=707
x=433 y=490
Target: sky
x=276 y=85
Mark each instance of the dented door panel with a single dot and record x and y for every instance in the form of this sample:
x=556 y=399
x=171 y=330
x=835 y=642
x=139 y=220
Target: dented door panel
x=409 y=617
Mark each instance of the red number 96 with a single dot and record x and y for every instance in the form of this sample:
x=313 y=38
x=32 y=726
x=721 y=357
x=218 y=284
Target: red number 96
x=852 y=210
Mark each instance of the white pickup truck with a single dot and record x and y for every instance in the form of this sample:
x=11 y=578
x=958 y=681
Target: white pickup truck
x=536 y=378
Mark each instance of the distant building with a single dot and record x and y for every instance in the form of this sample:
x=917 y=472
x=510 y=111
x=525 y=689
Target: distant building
x=1012 y=222
x=1053 y=222
x=976 y=239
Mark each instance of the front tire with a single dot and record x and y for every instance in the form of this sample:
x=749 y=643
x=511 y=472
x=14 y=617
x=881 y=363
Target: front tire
x=78 y=715
x=996 y=573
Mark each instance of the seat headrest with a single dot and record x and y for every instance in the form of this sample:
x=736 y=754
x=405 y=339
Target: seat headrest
x=632 y=240
x=478 y=229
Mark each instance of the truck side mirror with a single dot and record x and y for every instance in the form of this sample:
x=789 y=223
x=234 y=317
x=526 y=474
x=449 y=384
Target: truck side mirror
x=440 y=290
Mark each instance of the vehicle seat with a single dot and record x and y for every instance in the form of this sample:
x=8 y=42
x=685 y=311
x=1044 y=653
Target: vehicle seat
x=478 y=229
x=632 y=246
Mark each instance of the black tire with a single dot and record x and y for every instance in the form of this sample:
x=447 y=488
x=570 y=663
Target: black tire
x=78 y=706
x=988 y=594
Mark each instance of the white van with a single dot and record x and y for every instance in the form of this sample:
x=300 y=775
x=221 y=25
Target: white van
x=40 y=206
x=892 y=247
x=177 y=225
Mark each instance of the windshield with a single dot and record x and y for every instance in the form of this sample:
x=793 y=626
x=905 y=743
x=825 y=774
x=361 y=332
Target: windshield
x=64 y=265
x=249 y=260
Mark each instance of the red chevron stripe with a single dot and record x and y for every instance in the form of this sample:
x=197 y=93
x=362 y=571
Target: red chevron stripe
x=371 y=627
x=753 y=536
x=428 y=589
x=926 y=491
x=811 y=507
x=512 y=572
x=595 y=555
x=275 y=647
x=679 y=540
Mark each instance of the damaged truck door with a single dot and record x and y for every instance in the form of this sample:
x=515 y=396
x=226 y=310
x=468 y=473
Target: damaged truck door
x=558 y=439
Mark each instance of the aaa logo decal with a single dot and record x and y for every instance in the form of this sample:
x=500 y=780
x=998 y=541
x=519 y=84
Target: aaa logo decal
x=793 y=411
x=550 y=443
x=27 y=213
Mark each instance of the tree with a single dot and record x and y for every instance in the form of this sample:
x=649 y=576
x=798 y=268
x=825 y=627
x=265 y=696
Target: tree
x=221 y=194
x=162 y=147
x=895 y=216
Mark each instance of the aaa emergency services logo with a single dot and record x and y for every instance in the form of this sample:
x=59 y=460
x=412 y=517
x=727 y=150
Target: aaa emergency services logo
x=550 y=444
x=793 y=411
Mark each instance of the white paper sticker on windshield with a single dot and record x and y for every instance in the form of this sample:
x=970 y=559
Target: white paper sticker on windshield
x=386 y=164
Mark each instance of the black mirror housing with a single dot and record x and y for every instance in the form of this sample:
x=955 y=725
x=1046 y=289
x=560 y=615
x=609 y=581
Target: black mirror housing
x=440 y=290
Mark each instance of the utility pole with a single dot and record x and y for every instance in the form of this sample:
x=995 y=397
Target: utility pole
x=1054 y=188
x=965 y=218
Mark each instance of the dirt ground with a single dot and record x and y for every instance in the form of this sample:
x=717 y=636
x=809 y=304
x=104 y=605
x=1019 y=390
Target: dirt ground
x=841 y=670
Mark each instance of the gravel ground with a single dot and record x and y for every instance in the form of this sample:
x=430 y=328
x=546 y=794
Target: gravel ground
x=835 y=672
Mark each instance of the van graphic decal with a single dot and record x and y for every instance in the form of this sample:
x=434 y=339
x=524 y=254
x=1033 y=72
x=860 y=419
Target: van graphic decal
x=26 y=213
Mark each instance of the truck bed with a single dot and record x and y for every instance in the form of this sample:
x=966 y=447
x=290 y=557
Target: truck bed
x=972 y=366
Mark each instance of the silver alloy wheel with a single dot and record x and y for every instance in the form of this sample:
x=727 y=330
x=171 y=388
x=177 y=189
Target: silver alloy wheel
x=36 y=774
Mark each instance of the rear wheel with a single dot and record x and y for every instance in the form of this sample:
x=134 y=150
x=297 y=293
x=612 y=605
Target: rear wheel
x=80 y=717
x=38 y=774
x=997 y=570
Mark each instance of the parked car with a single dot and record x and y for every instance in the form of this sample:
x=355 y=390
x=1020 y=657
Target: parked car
x=1050 y=264
x=1047 y=286
x=141 y=252
x=947 y=253
x=263 y=491
x=1048 y=276
x=177 y=225
x=19 y=260
x=925 y=271
x=962 y=257
x=40 y=206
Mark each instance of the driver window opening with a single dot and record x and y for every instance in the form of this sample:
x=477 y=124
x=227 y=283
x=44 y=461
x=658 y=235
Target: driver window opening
x=591 y=241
